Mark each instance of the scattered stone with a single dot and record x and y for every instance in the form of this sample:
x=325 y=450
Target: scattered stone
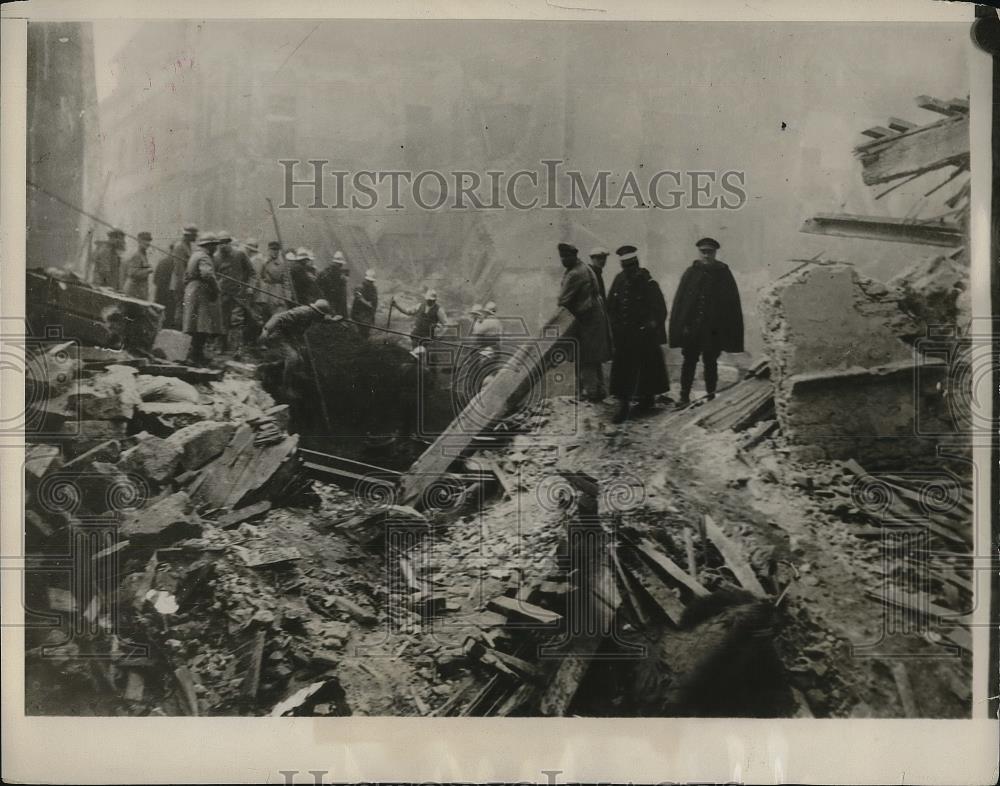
x=201 y=442
x=257 y=558
x=168 y=389
x=108 y=452
x=40 y=460
x=232 y=518
x=166 y=521
x=154 y=458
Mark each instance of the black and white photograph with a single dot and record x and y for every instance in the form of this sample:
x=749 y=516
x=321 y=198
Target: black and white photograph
x=539 y=368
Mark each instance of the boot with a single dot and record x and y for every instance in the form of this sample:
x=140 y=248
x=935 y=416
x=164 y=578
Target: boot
x=621 y=411
x=685 y=399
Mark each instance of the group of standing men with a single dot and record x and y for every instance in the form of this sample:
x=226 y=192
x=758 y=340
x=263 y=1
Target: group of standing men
x=216 y=289
x=627 y=324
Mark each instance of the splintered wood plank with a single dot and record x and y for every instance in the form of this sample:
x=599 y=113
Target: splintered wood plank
x=901 y=125
x=932 y=104
x=563 y=685
x=660 y=594
x=921 y=150
x=878 y=132
x=734 y=561
x=649 y=550
x=905 y=688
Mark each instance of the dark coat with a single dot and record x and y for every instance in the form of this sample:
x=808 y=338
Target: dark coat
x=302 y=276
x=162 y=277
x=333 y=284
x=707 y=314
x=180 y=254
x=580 y=296
x=361 y=312
x=234 y=270
x=637 y=311
x=292 y=324
x=202 y=308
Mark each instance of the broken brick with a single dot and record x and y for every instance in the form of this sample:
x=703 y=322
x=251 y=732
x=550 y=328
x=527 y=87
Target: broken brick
x=155 y=459
x=166 y=521
x=201 y=442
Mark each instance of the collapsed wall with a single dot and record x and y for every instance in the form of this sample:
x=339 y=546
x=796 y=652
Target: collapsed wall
x=848 y=380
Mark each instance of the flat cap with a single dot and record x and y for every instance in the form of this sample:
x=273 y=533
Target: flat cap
x=144 y=236
x=223 y=236
x=190 y=229
x=710 y=242
x=627 y=254
x=115 y=232
x=600 y=251
x=208 y=239
x=273 y=244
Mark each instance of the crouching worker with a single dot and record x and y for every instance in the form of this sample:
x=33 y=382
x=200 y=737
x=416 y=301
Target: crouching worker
x=286 y=331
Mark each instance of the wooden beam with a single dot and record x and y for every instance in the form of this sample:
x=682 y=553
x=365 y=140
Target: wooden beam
x=497 y=400
x=893 y=230
x=932 y=104
x=734 y=561
x=901 y=125
x=921 y=149
x=959 y=105
x=648 y=549
x=878 y=132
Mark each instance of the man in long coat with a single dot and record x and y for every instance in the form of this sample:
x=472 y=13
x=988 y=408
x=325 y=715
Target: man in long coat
x=107 y=260
x=332 y=282
x=202 y=311
x=707 y=317
x=136 y=270
x=638 y=313
x=168 y=279
x=580 y=295
x=365 y=303
x=234 y=270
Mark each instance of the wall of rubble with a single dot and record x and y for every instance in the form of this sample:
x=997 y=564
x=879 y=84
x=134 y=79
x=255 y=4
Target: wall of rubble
x=849 y=382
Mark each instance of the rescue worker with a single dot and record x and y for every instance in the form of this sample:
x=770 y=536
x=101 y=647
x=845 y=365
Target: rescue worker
x=365 y=303
x=707 y=318
x=202 y=311
x=332 y=283
x=137 y=270
x=302 y=275
x=107 y=260
x=233 y=269
x=426 y=317
x=637 y=312
x=286 y=330
x=598 y=259
x=274 y=287
x=580 y=295
x=172 y=298
x=488 y=330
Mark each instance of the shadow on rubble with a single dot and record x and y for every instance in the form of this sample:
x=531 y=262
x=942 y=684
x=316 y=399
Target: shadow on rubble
x=367 y=399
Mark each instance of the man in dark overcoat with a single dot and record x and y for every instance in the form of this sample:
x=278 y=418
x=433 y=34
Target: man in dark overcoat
x=637 y=312
x=707 y=317
x=580 y=295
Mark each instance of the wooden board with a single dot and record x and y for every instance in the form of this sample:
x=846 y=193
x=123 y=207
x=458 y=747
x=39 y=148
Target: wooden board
x=734 y=561
x=920 y=150
x=649 y=550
